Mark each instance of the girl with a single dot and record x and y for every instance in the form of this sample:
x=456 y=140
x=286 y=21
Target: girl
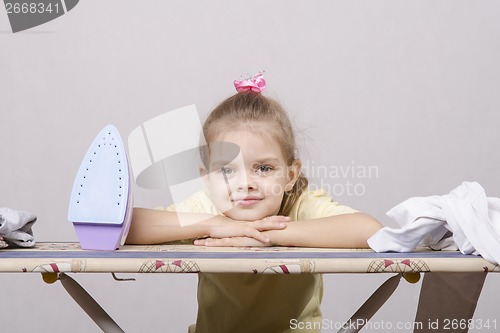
x=259 y=198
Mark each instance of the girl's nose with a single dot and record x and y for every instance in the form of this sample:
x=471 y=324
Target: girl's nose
x=246 y=181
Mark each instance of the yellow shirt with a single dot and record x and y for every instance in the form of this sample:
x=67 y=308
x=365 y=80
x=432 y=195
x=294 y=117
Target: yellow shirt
x=264 y=303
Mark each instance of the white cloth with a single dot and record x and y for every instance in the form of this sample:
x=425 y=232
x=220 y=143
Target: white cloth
x=15 y=227
x=465 y=219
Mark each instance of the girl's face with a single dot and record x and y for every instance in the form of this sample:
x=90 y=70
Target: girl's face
x=251 y=186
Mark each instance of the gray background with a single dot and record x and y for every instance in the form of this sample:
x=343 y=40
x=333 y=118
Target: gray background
x=410 y=87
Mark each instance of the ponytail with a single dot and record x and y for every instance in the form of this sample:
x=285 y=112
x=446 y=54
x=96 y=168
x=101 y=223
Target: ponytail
x=291 y=197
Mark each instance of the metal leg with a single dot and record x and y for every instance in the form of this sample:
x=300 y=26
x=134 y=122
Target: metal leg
x=371 y=305
x=448 y=301
x=89 y=305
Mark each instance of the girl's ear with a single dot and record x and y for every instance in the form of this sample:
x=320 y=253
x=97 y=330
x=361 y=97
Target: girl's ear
x=204 y=174
x=293 y=174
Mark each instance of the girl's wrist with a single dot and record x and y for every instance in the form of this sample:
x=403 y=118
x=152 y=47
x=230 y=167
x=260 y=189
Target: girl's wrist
x=214 y=222
x=273 y=236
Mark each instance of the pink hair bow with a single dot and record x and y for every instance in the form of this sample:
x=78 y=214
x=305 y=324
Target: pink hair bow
x=256 y=83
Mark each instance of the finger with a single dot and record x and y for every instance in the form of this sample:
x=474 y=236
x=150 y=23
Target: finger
x=257 y=235
x=234 y=230
x=233 y=241
x=269 y=225
x=199 y=242
x=278 y=218
x=214 y=242
x=237 y=230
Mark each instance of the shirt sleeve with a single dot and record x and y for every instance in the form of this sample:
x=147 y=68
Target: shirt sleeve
x=317 y=204
x=199 y=202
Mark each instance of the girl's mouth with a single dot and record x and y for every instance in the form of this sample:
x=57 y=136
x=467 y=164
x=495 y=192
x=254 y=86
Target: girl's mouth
x=246 y=201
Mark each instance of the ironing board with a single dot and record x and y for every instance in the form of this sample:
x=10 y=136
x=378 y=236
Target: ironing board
x=54 y=260
x=70 y=258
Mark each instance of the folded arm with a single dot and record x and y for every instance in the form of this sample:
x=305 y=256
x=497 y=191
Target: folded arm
x=340 y=231
x=150 y=226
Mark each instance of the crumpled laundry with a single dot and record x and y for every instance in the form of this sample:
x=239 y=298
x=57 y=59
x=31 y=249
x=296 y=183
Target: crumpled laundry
x=464 y=219
x=2 y=243
x=15 y=228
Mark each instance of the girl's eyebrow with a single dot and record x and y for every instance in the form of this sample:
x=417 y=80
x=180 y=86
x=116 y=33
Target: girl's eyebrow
x=221 y=162
x=268 y=160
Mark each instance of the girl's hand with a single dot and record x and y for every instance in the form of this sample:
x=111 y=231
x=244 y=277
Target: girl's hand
x=231 y=241
x=249 y=232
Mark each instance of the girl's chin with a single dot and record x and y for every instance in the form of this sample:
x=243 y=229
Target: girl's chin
x=243 y=216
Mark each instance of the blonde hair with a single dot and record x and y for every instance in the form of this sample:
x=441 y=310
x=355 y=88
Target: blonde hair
x=247 y=109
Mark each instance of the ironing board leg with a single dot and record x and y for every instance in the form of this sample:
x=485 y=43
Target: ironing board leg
x=89 y=305
x=371 y=305
x=447 y=301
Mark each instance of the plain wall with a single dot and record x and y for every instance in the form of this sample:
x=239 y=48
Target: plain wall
x=406 y=89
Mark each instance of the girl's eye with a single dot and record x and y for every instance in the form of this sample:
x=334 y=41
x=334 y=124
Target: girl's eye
x=226 y=171
x=264 y=168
